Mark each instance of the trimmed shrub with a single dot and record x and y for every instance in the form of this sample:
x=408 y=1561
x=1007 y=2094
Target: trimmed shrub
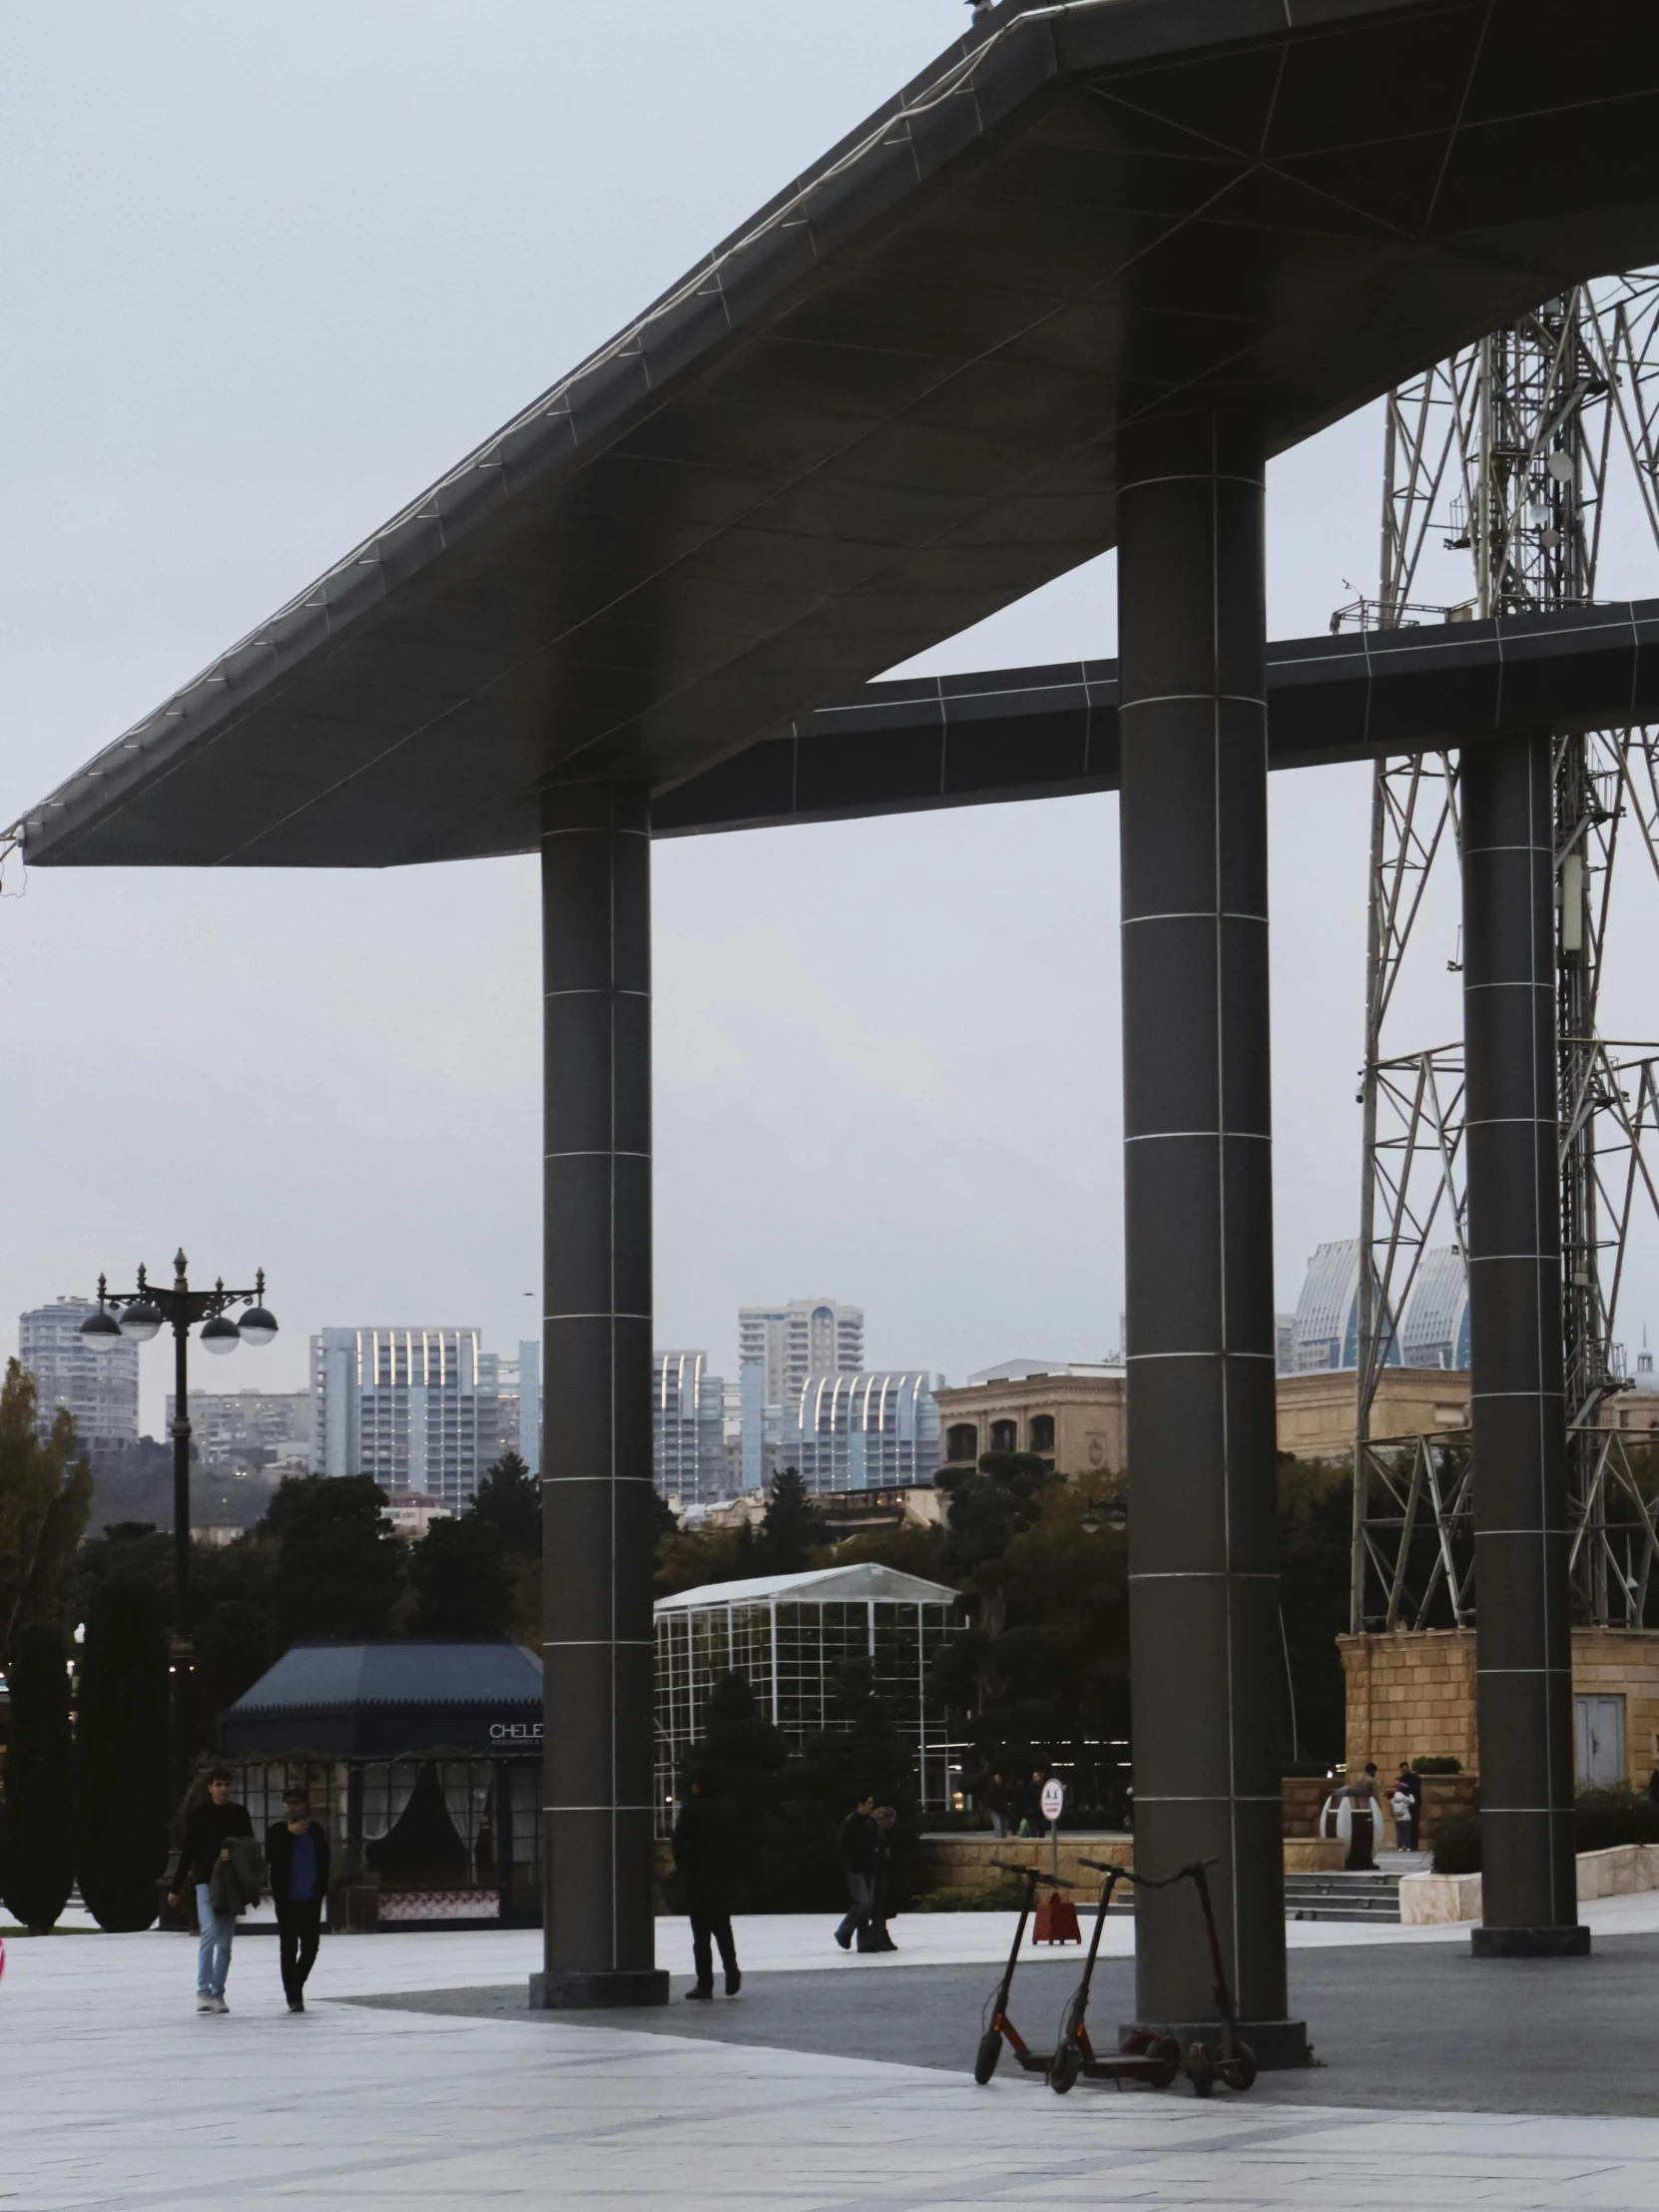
x=37 y=1863
x=1612 y=1816
x=1457 y=1844
x=1604 y=1820
x=1006 y=1895
x=122 y=1756
x=1437 y=1762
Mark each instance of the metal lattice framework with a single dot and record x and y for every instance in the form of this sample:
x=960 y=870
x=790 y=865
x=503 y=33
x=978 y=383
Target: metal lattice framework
x=1505 y=452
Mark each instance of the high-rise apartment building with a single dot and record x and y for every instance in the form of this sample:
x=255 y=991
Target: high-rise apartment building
x=688 y=1429
x=101 y=1388
x=863 y=1431
x=519 y=1383
x=226 y=1425
x=417 y=1408
x=779 y=1347
x=809 y=1336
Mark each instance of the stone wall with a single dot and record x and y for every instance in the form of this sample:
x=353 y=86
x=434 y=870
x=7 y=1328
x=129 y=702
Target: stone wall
x=1410 y=1697
x=1413 y=1694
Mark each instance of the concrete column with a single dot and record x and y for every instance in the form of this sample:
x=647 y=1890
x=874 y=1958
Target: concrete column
x=1197 y=1200
x=1523 y=1642
x=597 y=1511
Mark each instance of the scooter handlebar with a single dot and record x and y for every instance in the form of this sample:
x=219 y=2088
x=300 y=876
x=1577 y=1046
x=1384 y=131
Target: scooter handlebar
x=1054 y=1881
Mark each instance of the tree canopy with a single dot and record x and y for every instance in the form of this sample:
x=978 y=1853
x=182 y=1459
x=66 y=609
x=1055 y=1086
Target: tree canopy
x=459 y=1574
x=340 y=1569
x=45 y=1498
x=509 y=1498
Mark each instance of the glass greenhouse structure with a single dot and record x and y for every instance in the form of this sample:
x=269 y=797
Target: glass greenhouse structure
x=786 y=1634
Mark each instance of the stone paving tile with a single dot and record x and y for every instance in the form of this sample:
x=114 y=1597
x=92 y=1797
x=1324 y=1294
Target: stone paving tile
x=114 y=2093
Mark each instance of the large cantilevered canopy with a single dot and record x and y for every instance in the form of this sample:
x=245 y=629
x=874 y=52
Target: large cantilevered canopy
x=1052 y=733
x=889 y=404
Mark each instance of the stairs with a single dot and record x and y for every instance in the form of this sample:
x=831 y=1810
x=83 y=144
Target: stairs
x=1373 y=1897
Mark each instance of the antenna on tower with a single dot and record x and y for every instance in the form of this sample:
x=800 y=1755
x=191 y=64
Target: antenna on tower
x=1504 y=457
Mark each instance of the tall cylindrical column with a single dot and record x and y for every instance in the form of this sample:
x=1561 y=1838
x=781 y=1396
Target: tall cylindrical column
x=1198 y=1222
x=598 y=1518
x=1523 y=1641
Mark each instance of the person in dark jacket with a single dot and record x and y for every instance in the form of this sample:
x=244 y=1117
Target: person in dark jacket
x=207 y=1830
x=859 y=1843
x=705 y=1842
x=877 y=1939
x=296 y=1852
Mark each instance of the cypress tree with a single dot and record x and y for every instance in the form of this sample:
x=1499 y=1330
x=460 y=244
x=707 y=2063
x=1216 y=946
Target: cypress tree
x=36 y=1851
x=122 y=1747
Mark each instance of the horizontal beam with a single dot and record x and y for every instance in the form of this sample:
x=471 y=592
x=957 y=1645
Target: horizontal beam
x=1051 y=733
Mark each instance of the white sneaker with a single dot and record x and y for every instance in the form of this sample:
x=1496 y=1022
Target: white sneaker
x=218 y=2005
x=204 y=2001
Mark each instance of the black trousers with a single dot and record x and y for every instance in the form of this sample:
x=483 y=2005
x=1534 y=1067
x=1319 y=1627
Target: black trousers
x=299 y=1932
x=711 y=1926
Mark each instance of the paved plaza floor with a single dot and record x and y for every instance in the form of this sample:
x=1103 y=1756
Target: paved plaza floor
x=415 y=2079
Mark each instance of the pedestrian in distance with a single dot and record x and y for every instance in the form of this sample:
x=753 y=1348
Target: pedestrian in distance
x=1400 y=1804
x=705 y=1844
x=297 y=1850
x=1028 y=1805
x=210 y=1828
x=859 y=1843
x=876 y=1937
x=994 y=1798
x=1410 y=1782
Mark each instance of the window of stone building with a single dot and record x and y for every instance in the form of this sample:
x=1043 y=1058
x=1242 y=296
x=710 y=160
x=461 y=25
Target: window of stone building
x=1005 y=1435
x=961 y=1443
x=1042 y=1432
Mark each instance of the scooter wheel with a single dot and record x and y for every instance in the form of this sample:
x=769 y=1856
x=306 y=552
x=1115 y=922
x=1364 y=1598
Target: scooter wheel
x=990 y=2050
x=1064 y=2068
x=1167 y=2051
x=1239 y=2071
x=1201 y=2071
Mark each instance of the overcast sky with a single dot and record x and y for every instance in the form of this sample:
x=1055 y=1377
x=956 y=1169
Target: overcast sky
x=268 y=269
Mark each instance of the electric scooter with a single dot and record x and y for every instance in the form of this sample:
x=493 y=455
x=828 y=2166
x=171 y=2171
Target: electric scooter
x=1146 y=2055
x=1000 y=2029
x=1154 y=2060
x=1233 y=2062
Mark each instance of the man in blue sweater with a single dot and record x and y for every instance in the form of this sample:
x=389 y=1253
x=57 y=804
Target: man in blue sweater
x=296 y=1850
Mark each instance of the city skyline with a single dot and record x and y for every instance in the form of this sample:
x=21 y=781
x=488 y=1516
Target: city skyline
x=314 y=1046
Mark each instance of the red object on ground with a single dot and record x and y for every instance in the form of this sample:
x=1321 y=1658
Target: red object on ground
x=1056 y=1922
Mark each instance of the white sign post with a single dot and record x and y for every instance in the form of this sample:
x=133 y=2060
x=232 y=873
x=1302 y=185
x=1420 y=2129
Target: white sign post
x=1053 y=1803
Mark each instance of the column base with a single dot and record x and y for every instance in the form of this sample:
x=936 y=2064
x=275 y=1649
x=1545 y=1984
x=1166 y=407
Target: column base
x=1530 y=1942
x=576 y=1992
x=1277 y=2045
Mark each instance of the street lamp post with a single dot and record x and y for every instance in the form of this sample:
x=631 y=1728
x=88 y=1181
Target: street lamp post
x=138 y=1316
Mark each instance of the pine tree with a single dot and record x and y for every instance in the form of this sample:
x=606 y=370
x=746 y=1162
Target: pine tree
x=791 y=1526
x=509 y=1497
x=37 y=1848
x=122 y=1756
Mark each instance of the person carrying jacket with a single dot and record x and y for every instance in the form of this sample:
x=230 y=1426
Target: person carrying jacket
x=861 y=1849
x=297 y=1849
x=704 y=1841
x=208 y=1829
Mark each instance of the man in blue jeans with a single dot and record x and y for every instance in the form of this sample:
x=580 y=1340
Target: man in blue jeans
x=208 y=1833
x=860 y=1852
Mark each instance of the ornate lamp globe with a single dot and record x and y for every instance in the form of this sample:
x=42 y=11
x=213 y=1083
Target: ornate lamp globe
x=141 y=1319
x=101 y=1329
x=220 y=1335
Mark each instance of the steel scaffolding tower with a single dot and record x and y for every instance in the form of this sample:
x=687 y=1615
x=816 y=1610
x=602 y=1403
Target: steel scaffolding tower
x=1505 y=452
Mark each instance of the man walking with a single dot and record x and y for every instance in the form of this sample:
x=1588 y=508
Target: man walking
x=704 y=1839
x=296 y=1850
x=861 y=1850
x=208 y=1833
